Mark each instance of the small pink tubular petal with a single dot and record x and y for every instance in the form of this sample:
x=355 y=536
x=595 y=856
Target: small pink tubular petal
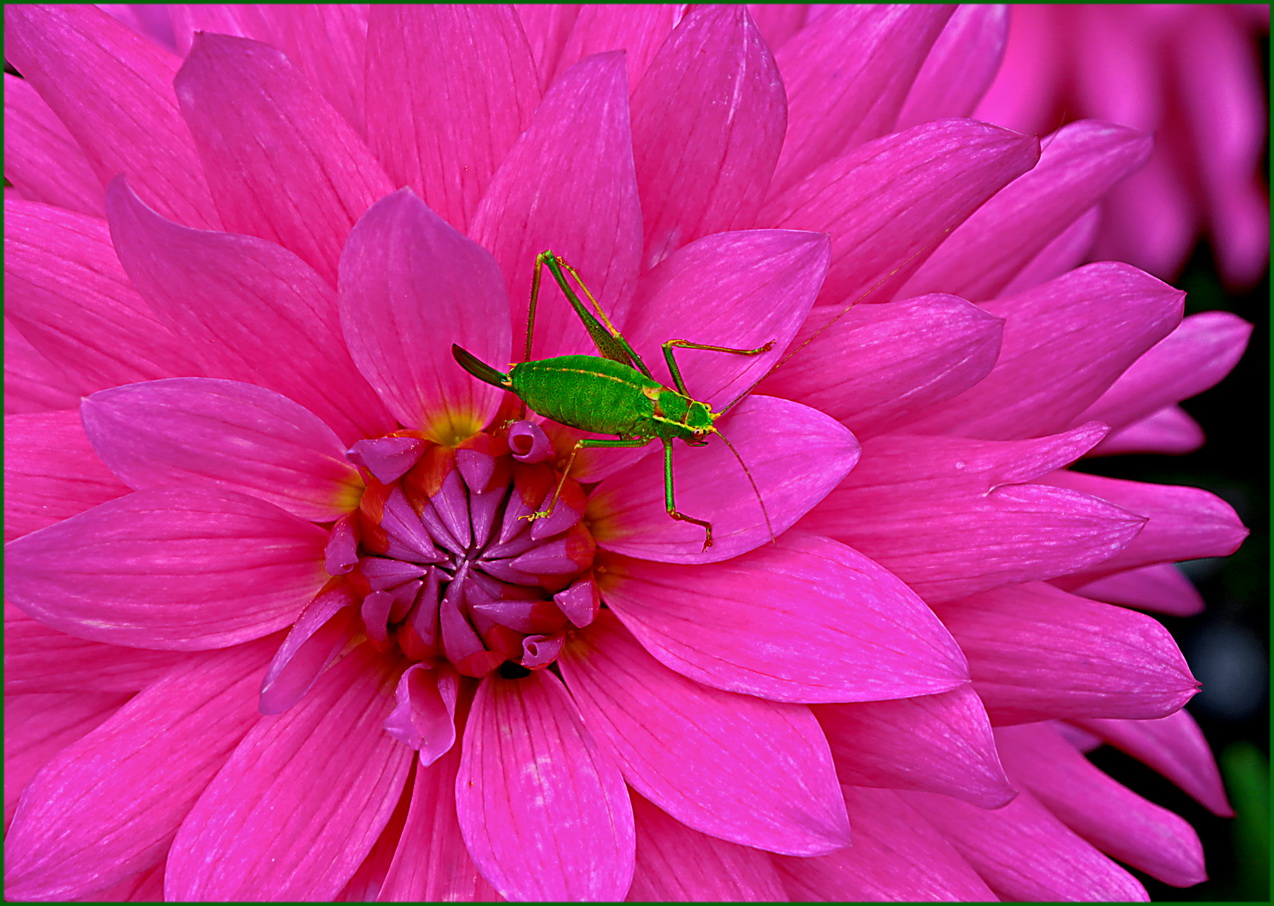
x=112 y=89
x=38 y=658
x=1105 y=813
x=32 y=383
x=1170 y=431
x=568 y=185
x=543 y=812
x=410 y=287
x=450 y=88
x=638 y=29
x=1184 y=523
x=741 y=290
x=65 y=290
x=896 y=856
x=883 y=364
x=1191 y=359
x=938 y=743
x=708 y=122
x=251 y=311
x=430 y=863
x=50 y=472
x=1076 y=168
x=1024 y=853
x=677 y=864
x=1065 y=343
x=1174 y=746
x=795 y=454
x=841 y=91
x=547 y=27
x=40 y=157
x=746 y=770
x=948 y=517
x=959 y=67
x=1161 y=588
x=74 y=833
x=37 y=726
x=300 y=802
x=173 y=568
x=886 y=203
x=805 y=619
x=282 y=164
x=1036 y=652
x=200 y=431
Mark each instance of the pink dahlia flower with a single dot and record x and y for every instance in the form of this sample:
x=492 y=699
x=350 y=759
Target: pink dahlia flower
x=275 y=628
x=1191 y=75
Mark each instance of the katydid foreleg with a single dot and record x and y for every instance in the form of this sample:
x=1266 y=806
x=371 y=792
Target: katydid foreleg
x=686 y=344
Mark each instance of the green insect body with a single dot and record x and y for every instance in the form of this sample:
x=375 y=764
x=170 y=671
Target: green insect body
x=613 y=393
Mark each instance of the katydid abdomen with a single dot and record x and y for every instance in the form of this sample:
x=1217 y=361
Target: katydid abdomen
x=587 y=392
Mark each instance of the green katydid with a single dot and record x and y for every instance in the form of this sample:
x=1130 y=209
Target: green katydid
x=616 y=393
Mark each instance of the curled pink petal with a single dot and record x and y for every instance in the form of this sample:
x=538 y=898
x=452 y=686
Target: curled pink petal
x=424 y=716
x=320 y=633
x=740 y=768
x=526 y=752
x=299 y=804
x=753 y=624
x=108 y=574
x=222 y=433
x=794 y=466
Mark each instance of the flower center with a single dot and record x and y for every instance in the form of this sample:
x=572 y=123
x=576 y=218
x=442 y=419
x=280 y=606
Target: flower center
x=448 y=563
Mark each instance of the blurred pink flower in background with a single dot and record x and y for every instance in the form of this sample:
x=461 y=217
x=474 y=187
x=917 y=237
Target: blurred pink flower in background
x=1187 y=73
x=274 y=627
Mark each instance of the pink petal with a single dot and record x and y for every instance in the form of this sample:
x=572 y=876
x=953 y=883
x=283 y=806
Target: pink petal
x=66 y=292
x=795 y=454
x=32 y=383
x=708 y=123
x=1036 y=652
x=302 y=799
x=1174 y=746
x=199 y=431
x=1065 y=343
x=251 y=310
x=1024 y=853
x=779 y=22
x=75 y=833
x=1194 y=357
x=38 y=658
x=1105 y=813
x=639 y=30
x=1162 y=588
x=50 y=472
x=1065 y=253
x=326 y=43
x=675 y=863
x=322 y=631
x=706 y=292
x=547 y=27
x=1077 y=166
x=949 y=517
x=424 y=715
x=938 y=743
x=410 y=287
x=283 y=165
x=112 y=89
x=959 y=67
x=896 y=856
x=1184 y=523
x=568 y=185
x=803 y=620
x=40 y=156
x=886 y=203
x=38 y=726
x=1170 y=431
x=430 y=863
x=736 y=767
x=882 y=365
x=450 y=88
x=544 y=814
x=840 y=92
x=158 y=569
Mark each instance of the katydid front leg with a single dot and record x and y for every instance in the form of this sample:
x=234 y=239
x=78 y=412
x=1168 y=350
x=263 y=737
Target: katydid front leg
x=583 y=442
x=686 y=344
